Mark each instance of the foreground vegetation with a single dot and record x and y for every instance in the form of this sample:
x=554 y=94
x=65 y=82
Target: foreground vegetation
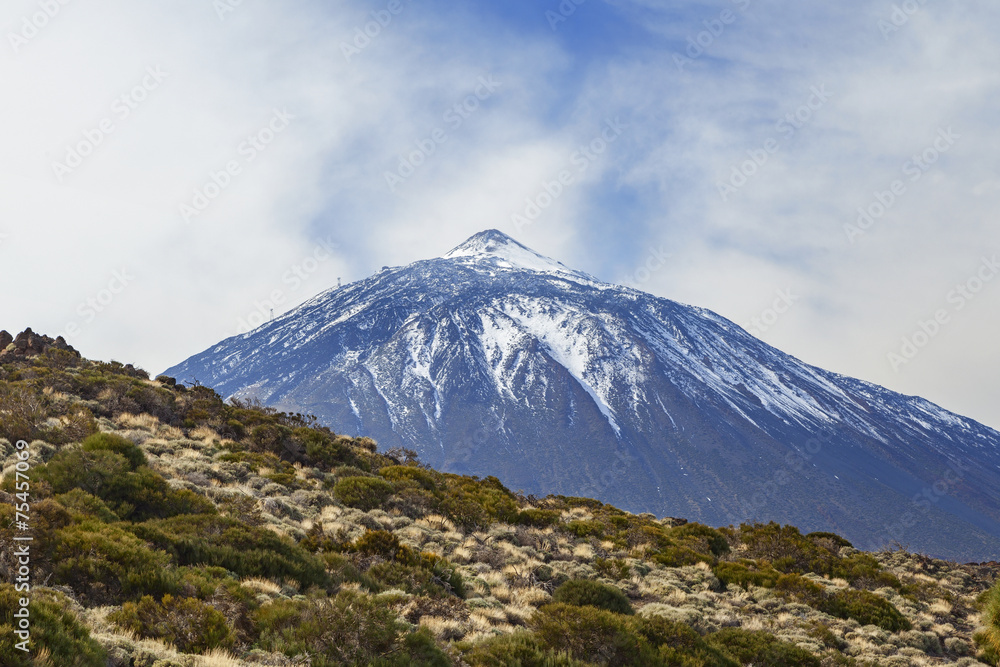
x=173 y=529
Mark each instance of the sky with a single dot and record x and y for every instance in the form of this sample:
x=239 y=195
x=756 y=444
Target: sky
x=823 y=174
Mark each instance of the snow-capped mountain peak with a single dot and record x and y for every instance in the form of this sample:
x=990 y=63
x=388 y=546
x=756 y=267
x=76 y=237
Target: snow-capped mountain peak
x=497 y=360
x=497 y=249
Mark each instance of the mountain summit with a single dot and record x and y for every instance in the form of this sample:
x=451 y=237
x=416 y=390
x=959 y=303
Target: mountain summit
x=496 y=249
x=496 y=360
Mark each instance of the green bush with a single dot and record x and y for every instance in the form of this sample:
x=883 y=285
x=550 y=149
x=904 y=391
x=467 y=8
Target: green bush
x=136 y=494
x=521 y=649
x=187 y=623
x=583 y=529
x=701 y=538
x=385 y=544
x=349 y=629
x=537 y=518
x=421 y=477
x=476 y=503
x=865 y=607
x=584 y=592
x=117 y=444
x=418 y=650
x=989 y=637
x=760 y=648
x=53 y=628
x=612 y=568
x=678 y=644
x=431 y=576
x=103 y=562
x=787 y=549
x=868 y=609
x=592 y=635
x=245 y=550
x=363 y=493
x=746 y=573
x=88 y=505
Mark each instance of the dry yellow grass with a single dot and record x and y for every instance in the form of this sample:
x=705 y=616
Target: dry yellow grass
x=261 y=585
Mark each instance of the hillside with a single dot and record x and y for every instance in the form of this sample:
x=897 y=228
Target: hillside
x=496 y=360
x=171 y=529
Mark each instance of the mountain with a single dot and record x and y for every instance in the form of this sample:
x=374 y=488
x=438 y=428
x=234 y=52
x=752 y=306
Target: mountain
x=496 y=360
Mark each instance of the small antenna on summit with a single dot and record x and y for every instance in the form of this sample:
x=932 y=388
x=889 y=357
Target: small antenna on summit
x=272 y=314
x=338 y=283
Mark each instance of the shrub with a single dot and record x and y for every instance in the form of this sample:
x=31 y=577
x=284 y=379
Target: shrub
x=349 y=629
x=363 y=493
x=385 y=544
x=537 y=518
x=431 y=576
x=418 y=650
x=868 y=609
x=786 y=548
x=187 y=623
x=21 y=411
x=746 y=573
x=247 y=551
x=53 y=629
x=760 y=648
x=583 y=529
x=591 y=635
x=799 y=589
x=701 y=538
x=612 y=568
x=476 y=503
x=422 y=478
x=131 y=493
x=101 y=562
x=117 y=444
x=865 y=607
x=88 y=505
x=989 y=637
x=520 y=648
x=679 y=644
x=584 y=592
x=864 y=571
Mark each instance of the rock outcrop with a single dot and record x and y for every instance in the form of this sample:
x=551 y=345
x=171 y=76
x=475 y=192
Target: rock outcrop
x=29 y=344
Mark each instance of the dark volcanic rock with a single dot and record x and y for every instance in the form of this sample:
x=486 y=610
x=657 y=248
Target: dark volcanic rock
x=29 y=344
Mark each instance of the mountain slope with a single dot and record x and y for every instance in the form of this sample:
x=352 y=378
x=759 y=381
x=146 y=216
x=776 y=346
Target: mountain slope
x=496 y=360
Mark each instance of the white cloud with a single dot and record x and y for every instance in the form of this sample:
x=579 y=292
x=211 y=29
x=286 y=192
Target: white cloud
x=323 y=176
